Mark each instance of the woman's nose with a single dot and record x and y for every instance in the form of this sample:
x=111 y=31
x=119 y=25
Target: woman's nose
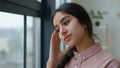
x=63 y=31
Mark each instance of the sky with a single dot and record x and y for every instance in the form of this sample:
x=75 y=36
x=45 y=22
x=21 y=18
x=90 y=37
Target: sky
x=9 y=20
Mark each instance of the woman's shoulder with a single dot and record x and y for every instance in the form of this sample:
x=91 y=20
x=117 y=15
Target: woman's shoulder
x=110 y=60
x=113 y=64
x=106 y=58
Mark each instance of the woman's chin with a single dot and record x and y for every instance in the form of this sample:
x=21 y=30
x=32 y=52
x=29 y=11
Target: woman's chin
x=71 y=45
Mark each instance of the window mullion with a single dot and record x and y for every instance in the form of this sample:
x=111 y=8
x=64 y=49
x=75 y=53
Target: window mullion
x=25 y=43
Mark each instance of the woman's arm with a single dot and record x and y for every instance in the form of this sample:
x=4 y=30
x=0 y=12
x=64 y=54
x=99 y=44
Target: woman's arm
x=51 y=64
x=55 y=54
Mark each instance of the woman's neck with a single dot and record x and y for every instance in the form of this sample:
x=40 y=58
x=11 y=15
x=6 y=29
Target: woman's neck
x=84 y=44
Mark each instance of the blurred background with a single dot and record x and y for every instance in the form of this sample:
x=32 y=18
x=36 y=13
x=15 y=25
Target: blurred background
x=25 y=29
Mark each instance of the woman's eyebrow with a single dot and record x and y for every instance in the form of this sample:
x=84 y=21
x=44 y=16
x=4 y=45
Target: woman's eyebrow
x=62 y=19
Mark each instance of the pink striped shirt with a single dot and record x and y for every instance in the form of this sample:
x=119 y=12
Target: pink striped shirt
x=93 y=57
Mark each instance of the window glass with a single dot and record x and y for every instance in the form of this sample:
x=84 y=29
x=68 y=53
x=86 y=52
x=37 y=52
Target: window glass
x=33 y=42
x=59 y=2
x=11 y=40
x=29 y=42
x=39 y=0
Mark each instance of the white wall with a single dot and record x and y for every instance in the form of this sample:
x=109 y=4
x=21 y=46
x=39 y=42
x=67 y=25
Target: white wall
x=113 y=8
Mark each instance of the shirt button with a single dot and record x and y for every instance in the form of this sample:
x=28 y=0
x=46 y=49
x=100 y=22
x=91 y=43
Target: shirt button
x=75 y=58
x=78 y=54
x=75 y=66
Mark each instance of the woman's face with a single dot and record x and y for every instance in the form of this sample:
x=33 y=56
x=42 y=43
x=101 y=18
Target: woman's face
x=70 y=31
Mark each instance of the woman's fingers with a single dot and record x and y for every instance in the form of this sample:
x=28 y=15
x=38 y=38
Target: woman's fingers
x=55 y=53
x=54 y=44
x=55 y=41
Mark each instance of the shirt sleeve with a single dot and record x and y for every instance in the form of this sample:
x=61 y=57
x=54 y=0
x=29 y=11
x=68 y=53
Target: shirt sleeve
x=113 y=64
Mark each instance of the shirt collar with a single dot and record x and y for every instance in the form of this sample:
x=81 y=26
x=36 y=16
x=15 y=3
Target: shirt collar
x=89 y=51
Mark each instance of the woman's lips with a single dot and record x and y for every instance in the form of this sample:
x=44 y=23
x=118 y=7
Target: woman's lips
x=67 y=38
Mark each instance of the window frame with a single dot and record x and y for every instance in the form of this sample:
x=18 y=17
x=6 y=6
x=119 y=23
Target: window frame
x=44 y=10
x=23 y=7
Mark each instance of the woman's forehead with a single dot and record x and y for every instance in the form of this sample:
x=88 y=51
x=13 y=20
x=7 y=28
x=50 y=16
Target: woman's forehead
x=61 y=16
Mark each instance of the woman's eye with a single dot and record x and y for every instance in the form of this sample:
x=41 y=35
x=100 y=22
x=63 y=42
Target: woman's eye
x=67 y=22
x=57 y=30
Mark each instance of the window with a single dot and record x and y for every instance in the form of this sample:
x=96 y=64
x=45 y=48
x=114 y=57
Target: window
x=33 y=12
x=11 y=40
x=13 y=51
x=39 y=0
x=33 y=42
x=59 y=2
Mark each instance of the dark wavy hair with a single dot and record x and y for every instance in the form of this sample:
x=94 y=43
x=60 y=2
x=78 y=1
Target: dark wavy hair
x=81 y=14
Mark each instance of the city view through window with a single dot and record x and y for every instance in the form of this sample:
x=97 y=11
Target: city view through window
x=12 y=40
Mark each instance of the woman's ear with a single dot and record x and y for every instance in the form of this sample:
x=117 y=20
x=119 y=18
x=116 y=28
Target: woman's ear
x=85 y=26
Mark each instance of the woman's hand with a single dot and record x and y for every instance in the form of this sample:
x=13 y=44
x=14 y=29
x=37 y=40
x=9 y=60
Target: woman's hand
x=55 y=54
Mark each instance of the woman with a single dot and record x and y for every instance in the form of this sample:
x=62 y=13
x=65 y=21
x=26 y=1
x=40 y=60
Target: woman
x=73 y=26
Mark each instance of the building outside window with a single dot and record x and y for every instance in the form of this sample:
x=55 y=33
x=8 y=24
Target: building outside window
x=12 y=41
